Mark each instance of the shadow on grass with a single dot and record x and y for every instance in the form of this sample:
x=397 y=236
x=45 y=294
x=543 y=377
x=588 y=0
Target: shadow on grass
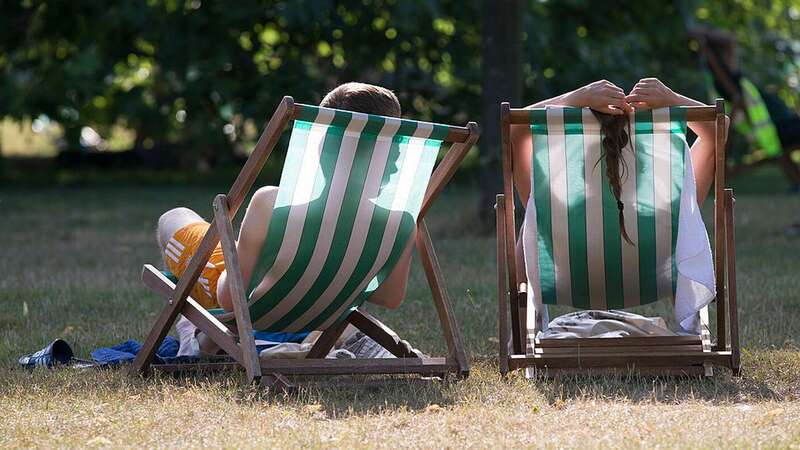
x=722 y=388
x=341 y=396
x=360 y=395
x=356 y=396
x=337 y=396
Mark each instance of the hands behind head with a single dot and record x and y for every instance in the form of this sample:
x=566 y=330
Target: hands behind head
x=603 y=96
x=650 y=93
x=606 y=97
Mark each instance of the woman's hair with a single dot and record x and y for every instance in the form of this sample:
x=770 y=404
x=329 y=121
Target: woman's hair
x=364 y=98
x=616 y=135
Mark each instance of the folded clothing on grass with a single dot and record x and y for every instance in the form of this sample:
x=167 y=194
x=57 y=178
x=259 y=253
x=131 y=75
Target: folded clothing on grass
x=126 y=352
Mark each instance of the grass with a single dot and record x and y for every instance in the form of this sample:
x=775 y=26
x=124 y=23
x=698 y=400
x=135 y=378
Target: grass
x=71 y=270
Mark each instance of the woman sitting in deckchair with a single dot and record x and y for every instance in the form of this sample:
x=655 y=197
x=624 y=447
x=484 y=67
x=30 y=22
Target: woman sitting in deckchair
x=180 y=230
x=612 y=107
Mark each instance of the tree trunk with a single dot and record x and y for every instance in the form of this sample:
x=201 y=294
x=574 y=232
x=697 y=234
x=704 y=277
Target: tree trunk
x=501 y=82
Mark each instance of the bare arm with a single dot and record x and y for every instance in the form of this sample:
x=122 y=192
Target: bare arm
x=393 y=289
x=251 y=239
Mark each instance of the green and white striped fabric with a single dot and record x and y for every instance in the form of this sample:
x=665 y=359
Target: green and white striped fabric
x=582 y=259
x=347 y=204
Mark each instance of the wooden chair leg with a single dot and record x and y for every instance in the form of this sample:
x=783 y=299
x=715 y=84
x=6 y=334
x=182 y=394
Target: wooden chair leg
x=719 y=223
x=731 y=275
x=277 y=383
x=382 y=334
x=143 y=360
x=441 y=300
x=175 y=302
x=326 y=341
x=502 y=292
x=199 y=316
x=241 y=311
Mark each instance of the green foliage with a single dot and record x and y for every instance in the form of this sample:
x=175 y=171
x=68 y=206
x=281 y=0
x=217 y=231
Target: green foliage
x=206 y=75
x=768 y=34
x=182 y=71
x=573 y=42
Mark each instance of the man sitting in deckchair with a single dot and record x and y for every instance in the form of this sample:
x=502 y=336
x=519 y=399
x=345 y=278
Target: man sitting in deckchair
x=180 y=230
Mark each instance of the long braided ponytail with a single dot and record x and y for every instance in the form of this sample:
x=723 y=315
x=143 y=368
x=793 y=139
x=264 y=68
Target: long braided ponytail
x=616 y=135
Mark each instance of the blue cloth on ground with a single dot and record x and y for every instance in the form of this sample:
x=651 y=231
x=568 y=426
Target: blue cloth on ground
x=126 y=352
x=166 y=354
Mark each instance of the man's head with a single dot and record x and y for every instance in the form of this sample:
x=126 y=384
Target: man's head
x=364 y=98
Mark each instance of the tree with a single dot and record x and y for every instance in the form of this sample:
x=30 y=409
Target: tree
x=204 y=75
x=501 y=81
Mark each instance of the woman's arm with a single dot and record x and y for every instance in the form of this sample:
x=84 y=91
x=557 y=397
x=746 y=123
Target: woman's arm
x=651 y=93
x=602 y=96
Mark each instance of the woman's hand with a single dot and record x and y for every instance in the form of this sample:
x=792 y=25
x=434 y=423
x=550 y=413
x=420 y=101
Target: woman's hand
x=603 y=96
x=651 y=93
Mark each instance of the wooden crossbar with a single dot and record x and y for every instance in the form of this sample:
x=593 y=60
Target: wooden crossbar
x=619 y=341
x=621 y=359
x=627 y=349
x=455 y=133
x=518 y=116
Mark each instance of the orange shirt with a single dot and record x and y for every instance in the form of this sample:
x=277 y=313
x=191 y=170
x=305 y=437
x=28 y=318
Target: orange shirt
x=179 y=250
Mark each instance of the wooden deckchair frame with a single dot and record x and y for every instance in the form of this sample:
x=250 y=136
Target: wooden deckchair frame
x=660 y=355
x=240 y=344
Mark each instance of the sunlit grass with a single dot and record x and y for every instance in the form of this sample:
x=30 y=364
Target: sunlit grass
x=71 y=270
x=17 y=138
x=40 y=138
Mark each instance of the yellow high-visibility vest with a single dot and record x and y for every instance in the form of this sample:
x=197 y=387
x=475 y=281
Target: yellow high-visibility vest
x=762 y=135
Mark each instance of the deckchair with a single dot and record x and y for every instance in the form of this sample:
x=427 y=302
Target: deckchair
x=575 y=277
x=352 y=190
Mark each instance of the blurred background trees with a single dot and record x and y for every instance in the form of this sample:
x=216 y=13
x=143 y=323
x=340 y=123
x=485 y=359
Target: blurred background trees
x=201 y=77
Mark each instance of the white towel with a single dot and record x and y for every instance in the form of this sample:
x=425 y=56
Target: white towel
x=696 y=287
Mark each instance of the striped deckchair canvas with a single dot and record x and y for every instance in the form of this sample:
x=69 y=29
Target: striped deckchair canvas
x=353 y=191
x=582 y=259
x=349 y=195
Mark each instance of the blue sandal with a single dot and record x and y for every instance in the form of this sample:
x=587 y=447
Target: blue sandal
x=57 y=352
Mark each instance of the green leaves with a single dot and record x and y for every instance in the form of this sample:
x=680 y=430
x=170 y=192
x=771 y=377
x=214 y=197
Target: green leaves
x=225 y=63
